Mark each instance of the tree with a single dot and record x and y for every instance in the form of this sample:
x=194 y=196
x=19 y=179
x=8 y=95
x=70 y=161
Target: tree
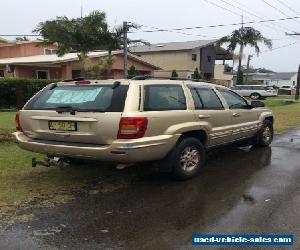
x=83 y=35
x=264 y=70
x=243 y=37
x=196 y=75
x=78 y=34
x=174 y=74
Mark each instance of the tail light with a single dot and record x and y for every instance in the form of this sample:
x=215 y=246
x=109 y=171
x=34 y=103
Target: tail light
x=18 y=125
x=132 y=127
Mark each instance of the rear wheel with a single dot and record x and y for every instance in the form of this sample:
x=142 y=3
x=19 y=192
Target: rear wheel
x=265 y=135
x=255 y=96
x=187 y=158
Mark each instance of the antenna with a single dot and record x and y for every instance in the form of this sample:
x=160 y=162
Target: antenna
x=242 y=21
x=81 y=10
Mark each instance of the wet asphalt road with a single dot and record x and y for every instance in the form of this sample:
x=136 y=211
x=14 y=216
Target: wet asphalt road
x=242 y=191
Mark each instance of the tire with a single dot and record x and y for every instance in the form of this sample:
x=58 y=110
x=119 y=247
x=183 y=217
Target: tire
x=265 y=135
x=187 y=158
x=255 y=96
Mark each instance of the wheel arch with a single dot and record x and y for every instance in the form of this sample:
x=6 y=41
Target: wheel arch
x=200 y=134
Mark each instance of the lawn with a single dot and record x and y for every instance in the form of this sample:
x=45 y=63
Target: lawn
x=286 y=112
x=23 y=187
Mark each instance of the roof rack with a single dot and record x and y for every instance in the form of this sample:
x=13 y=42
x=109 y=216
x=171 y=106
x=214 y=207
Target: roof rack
x=146 y=77
x=75 y=79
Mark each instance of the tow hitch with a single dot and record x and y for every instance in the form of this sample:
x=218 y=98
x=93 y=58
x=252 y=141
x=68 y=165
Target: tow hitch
x=49 y=162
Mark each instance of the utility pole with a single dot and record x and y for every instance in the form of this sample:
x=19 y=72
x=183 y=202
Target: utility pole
x=248 y=66
x=125 y=30
x=298 y=85
x=298 y=77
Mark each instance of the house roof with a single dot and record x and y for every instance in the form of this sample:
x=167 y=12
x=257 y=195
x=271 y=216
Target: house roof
x=54 y=59
x=283 y=75
x=172 y=46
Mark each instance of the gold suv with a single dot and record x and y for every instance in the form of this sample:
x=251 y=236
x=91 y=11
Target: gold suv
x=172 y=122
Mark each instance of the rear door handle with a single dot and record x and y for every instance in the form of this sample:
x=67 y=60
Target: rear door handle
x=236 y=115
x=203 y=116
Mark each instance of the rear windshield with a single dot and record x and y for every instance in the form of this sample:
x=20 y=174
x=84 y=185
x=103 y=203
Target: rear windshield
x=98 y=98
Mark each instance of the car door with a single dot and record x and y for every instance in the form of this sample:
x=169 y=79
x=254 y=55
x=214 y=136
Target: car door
x=244 y=119
x=210 y=112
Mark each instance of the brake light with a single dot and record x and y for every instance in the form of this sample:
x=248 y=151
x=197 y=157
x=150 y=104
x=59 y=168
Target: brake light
x=132 y=127
x=18 y=125
x=82 y=82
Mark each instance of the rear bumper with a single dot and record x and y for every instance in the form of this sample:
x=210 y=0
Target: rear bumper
x=125 y=151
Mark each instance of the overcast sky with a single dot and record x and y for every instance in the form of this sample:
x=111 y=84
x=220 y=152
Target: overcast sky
x=18 y=17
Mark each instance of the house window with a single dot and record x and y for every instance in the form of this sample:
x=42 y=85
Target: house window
x=49 y=51
x=76 y=74
x=209 y=59
x=42 y=74
x=194 y=57
x=1 y=73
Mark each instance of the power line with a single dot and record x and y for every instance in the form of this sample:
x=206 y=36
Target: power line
x=278 y=10
x=260 y=14
x=218 y=25
x=280 y=47
x=180 y=29
x=252 y=13
x=178 y=32
x=287 y=6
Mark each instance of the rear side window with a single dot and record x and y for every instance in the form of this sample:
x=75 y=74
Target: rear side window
x=258 y=88
x=233 y=100
x=164 y=97
x=206 y=98
x=98 y=98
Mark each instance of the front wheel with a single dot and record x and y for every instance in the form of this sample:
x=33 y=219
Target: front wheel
x=255 y=96
x=265 y=135
x=188 y=158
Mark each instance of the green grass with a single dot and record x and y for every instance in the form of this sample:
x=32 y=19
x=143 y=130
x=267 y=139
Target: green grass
x=7 y=120
x=7 y=125
x=287 y=114
x=22 y=186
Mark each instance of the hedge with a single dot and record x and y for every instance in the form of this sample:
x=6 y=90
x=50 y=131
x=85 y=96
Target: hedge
x=14 y=92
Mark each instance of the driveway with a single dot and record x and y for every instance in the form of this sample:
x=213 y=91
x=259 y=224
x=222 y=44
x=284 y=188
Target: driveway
x=242 y=191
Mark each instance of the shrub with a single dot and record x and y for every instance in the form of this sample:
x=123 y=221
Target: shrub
x=14 y=92
x=174 y=74
x=196 y=75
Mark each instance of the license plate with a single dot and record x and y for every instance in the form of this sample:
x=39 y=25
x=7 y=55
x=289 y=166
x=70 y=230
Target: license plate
x=62 y=126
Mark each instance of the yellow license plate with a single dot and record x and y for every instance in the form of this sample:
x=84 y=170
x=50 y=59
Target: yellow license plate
x=62 y=126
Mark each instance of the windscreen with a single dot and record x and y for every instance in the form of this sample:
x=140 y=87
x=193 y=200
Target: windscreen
x=101 y=98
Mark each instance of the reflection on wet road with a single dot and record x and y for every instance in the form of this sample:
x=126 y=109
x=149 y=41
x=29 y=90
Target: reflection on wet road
x=241 y=191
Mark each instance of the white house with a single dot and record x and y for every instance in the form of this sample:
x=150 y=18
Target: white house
x=284 y=79
x=278 y=79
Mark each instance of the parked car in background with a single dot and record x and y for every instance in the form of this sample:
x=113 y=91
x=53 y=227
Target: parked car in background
x=254 y=91
x=287 y=90
x=288 y=87
x=169 y=122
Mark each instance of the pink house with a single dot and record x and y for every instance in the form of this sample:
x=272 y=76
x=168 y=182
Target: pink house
x=33 y=59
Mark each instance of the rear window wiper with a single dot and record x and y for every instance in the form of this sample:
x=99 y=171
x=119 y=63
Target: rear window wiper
x=61 y=109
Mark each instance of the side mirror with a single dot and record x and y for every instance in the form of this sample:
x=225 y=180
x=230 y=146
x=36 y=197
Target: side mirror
x=257 y=104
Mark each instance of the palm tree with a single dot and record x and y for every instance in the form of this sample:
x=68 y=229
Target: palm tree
x=243 y=37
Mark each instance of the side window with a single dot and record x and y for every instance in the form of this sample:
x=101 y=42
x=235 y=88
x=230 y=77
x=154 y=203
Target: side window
x=205 y=98
x=233 y=100
x=164 y=97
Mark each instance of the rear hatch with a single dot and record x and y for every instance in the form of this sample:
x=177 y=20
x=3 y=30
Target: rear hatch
x=88 y=113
